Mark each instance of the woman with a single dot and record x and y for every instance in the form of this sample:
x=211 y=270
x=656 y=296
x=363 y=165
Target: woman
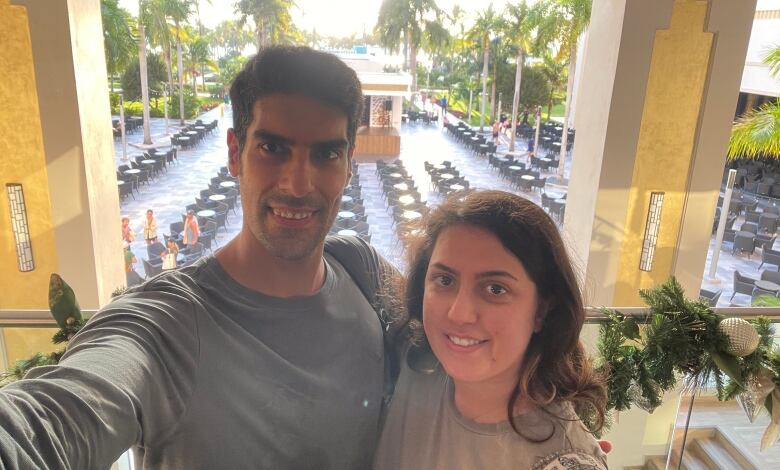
x=494 y=293
x=150 y=228
x=191 y=229
x=169 y=255
x=128 y=235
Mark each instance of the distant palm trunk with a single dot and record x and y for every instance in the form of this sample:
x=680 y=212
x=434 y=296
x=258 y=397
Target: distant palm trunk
x=516 y=97
x=144 y=82
x=485 y=57
x=180 y=66
x=493 y=89
x=567 y=108
x=413 y=66
x=169 y=66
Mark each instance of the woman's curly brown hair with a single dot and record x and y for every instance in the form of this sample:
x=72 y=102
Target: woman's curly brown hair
x=555 y=366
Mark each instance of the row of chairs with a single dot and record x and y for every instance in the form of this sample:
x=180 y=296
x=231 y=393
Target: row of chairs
x=402 y=197
x=132 y=123
x=129 y=182
x=473 y=140
x=746 y=285
x=445 y=178
x=353 y=202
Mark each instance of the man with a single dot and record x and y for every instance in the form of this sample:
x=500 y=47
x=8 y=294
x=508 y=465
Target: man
x=265 y=355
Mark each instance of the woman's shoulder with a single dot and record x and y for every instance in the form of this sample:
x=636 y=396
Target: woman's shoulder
x=579 y=444
x=569 y=460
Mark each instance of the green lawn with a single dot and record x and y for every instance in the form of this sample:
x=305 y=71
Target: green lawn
x=461 y=105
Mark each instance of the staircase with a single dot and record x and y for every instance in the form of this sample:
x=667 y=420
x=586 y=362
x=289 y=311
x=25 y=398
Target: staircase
x=706 y=449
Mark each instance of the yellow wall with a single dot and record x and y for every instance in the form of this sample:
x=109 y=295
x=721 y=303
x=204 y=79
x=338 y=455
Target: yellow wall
x=23 y=161
x=667 y=137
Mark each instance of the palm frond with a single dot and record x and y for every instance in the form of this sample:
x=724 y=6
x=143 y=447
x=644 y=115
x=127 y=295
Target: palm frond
x=757 y=133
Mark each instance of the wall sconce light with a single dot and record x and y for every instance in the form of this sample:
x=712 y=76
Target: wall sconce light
x=651 y=231
x=20 y=227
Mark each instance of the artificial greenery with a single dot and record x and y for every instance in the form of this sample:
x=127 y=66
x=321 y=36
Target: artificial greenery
x=642 y=358
x=64 y=307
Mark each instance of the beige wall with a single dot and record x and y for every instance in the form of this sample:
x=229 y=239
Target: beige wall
x=658 y=120
x=70 y=71
x=57 y=142
x=614 y=79
x=730 y=21
x=659 y=100
x=23 y=162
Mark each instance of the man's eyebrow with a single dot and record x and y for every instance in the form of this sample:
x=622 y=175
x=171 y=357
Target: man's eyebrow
x=332 y=144
x=266 y=135
x=327 y=144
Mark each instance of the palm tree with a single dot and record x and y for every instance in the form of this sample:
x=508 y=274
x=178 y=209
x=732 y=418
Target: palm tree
x=528 y=28
x=486 y=25
x=574 y=17
x=118 y=37
x=555 y=72
x=199 y=58
x=273 y=22
x=159 y=33
x=142 y=69
x=179 y=11
x=412 y=23
x=757 y=133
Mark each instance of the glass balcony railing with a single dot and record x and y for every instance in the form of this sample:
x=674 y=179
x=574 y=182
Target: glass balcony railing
x=686 y=431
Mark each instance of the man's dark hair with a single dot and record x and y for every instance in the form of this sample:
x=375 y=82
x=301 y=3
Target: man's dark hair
x=296 y=71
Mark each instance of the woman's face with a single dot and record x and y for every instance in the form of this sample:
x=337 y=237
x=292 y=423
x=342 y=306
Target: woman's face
x=479 y=307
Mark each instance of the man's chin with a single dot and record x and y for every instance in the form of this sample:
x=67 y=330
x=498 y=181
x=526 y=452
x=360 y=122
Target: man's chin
x=291 y=246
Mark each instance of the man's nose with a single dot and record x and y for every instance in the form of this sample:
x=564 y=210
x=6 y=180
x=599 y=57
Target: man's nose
x=298 y=174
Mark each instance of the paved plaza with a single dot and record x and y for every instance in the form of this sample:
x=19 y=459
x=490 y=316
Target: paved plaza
x=171 y=191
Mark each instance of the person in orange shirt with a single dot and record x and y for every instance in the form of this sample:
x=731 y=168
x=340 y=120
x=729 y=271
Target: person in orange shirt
x=191 y=229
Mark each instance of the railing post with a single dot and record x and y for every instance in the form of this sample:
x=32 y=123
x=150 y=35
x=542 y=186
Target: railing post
x=685 y=434
x=724 y=214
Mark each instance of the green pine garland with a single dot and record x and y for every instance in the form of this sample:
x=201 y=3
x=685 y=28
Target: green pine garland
x=641 y=358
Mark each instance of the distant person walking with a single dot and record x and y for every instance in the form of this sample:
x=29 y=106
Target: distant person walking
x=191 y=229
x=127 y=233
x=150 y=228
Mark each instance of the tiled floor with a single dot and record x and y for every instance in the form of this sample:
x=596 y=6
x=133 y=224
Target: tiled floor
x=173 y=190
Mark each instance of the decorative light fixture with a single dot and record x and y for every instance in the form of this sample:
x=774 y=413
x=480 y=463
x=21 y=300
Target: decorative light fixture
x=20 y=227
x=651 y=231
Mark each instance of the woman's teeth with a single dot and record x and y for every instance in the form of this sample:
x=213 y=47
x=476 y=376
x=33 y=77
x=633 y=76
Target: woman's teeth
x=464 y=341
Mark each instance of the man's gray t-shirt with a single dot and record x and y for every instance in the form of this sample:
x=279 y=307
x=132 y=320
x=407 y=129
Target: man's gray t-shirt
x=197 y=371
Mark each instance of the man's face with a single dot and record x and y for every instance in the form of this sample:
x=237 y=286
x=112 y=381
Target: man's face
x=293 y=168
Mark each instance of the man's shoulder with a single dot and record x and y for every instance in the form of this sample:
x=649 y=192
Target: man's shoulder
x=176 y=289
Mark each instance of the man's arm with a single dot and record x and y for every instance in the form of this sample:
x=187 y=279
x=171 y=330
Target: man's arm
x=126 y=379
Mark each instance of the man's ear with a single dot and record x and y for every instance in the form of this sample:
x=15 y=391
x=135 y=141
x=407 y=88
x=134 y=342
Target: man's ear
x=234 y=153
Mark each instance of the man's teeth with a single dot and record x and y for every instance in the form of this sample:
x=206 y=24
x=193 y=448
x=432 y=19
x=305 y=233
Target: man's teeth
x=292 y=215
x=464 y=341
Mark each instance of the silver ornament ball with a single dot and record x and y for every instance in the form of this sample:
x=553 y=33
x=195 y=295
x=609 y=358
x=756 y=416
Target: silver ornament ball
x=743 y=338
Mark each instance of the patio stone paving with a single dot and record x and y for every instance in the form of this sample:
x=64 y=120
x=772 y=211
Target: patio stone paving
x=171 y=191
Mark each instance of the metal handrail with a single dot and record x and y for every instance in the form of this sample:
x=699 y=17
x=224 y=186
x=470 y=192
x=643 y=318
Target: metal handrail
x=40 y=318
